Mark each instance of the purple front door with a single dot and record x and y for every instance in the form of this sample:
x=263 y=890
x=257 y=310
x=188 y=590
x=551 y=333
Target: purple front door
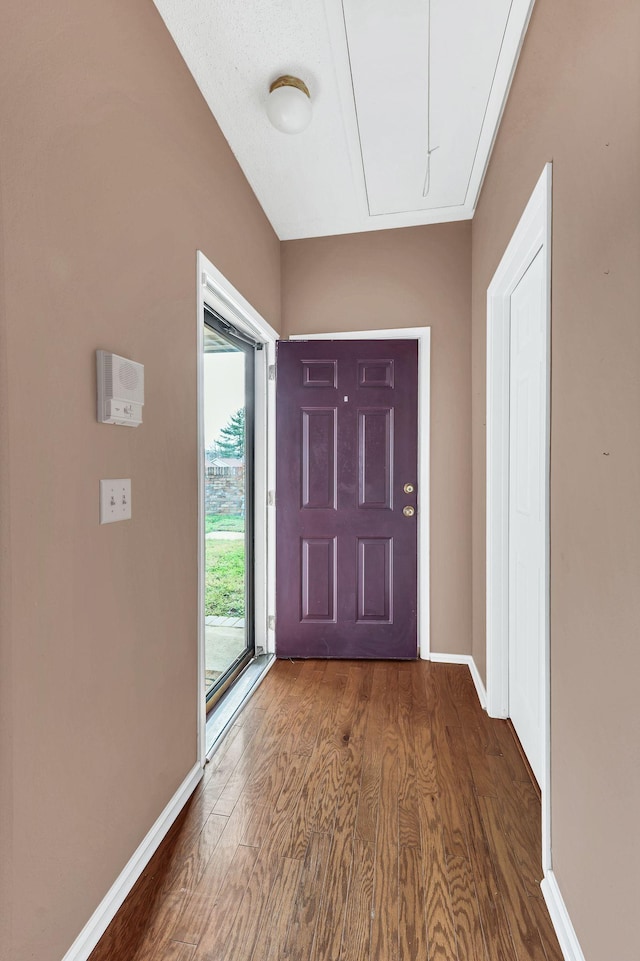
x=347 y=434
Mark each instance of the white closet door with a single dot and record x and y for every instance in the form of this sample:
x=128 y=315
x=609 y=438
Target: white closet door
x=526 y=511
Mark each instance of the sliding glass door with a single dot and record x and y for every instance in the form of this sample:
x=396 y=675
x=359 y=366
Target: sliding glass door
x=229 y=364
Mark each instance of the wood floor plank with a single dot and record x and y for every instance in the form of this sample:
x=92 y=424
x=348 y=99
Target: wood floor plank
x=466 y=912
x=295 y=777
x=491 y=908
x=247 y=724
x=244 y=936
x=179 y=886
x=176 y=951
x=278 y=911
x=329 y=933
x=267 y=777
x=356 y=938
x=412 y=919
x=343 y=743
x=250 y=915
x=518 y=770
x=548 y=936
x=282 y=680
x=315 y=810
x=254 y=766
x=440 y=710
x=439 y=680
x=425 y=758
x=408 y=799
x=366 y=824
x=187 y=917
x=299 y=732
x=220 y=919
x=524 y=929
x=310 y=709
x=440 y=927
x=191 y=863
x=301 y=821
x=308 y=898
x=257 y=824
x=384 y=930
x=492 y=915
x=524 y=833
x=472 y=723
x=451 y=803
x=268 y=867
x=430 y=847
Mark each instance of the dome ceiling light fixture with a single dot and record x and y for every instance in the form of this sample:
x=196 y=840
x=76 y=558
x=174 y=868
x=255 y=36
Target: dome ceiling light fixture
x=289 y=104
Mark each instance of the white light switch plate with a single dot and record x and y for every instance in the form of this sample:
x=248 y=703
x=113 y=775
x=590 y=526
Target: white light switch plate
x=115 y=500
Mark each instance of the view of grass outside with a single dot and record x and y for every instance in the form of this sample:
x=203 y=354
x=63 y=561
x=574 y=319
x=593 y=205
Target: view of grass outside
x=224 y=567
x=223 y=522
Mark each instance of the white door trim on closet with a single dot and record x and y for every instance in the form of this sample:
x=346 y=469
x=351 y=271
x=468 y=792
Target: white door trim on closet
x=532 y=237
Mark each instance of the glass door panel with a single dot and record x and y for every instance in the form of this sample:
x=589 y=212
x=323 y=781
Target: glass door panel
x=228 y=491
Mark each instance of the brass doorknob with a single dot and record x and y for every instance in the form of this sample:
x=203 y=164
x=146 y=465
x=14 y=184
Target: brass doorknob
x=408 y=511
x=408 y=488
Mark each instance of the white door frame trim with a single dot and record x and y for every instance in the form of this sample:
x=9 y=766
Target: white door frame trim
x=423 y=336
x=532 y=235
x=216 y=292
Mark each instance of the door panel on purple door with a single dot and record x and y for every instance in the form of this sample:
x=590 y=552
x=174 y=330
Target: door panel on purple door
x=346 y=445
x=318 y=581
x=319 y=458
x=375 y=579
x=375 y=458
x=319 y=373
x=375 y=374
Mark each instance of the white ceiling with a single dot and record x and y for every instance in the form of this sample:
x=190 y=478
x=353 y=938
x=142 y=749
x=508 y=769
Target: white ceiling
x=407 y=97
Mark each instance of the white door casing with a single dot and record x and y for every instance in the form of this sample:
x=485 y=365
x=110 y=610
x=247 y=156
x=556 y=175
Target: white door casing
x=214 y=290
x=510 y=687
x=526 y=511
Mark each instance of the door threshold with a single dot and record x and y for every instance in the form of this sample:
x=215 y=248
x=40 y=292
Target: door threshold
x=232 y=701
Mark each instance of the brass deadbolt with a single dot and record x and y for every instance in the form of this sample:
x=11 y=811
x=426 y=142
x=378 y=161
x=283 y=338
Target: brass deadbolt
x=408 y=488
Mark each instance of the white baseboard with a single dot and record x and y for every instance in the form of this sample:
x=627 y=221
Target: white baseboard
x=475 y=673
x=108 y=907
x=480 y=688
x=450 y=658
x=560 y=918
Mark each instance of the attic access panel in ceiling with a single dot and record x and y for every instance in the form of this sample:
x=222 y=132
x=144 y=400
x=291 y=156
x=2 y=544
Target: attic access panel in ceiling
x=407 y=96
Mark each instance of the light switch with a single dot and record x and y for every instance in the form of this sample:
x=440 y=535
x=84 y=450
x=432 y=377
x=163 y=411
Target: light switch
x=115 y=500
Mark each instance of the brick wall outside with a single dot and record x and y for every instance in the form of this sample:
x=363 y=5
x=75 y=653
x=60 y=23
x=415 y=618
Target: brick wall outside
x=224 y=494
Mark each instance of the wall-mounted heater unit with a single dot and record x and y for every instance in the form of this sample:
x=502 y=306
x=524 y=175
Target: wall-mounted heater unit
x=120 y=390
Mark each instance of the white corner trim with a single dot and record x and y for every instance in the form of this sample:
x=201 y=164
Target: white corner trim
x=423 y=336
x=560 y=919
x=112 y=901
x=477 y=680
x=475 y=673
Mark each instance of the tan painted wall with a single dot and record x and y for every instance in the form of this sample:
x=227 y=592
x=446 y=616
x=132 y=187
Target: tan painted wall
x=576 y=101
x=113 y=174
x=417 y=276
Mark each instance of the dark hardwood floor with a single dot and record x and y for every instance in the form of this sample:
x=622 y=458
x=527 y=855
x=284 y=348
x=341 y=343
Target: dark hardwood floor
x=357 y=811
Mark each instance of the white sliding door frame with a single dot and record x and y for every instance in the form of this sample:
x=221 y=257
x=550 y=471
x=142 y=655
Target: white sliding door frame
x=532 y=235
x=423 y=336
x=216 y=292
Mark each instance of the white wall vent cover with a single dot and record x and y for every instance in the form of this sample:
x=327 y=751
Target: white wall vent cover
x=120 y=389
